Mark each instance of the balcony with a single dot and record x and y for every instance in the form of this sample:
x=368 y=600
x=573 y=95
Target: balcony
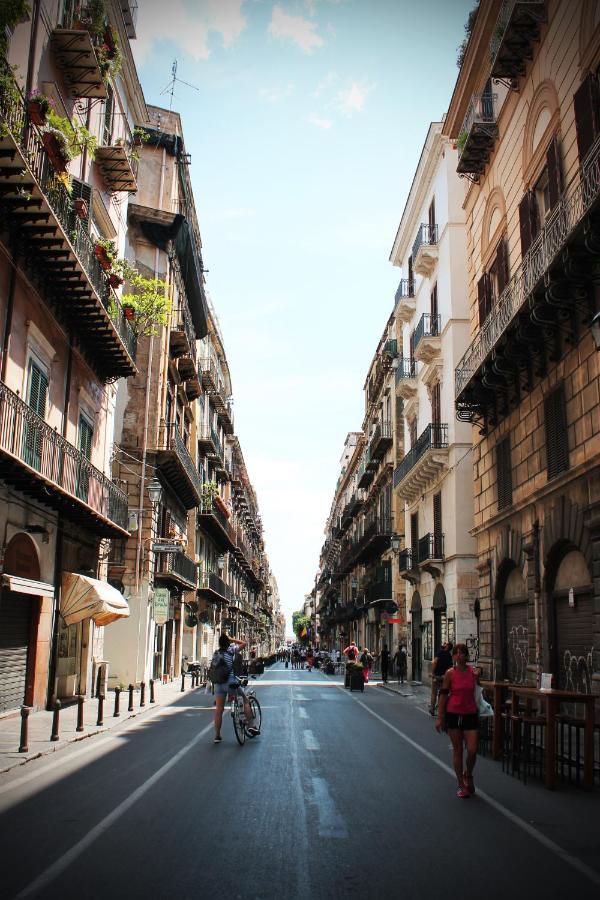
x=349 y=511
x=58 y=249
x=175 y=462
x=375 y=539
x=407 y=566
x=381 y=441
x=425 y=250
x=215 y=522
x=117 y=167
x=517 y=28
x=390 y=348
x=423 y=463
x=427 y=342
x=212 y=587
x=129 y=8
x=405 y=299
x=540 y=313
x=226 y=417
x=209 y=442
x=175 y=566
x=431 y=553
x=75 y=54
x=37 y=460
x=478 y=135
x=366 y=471
x=211 y=377
x=406 y=378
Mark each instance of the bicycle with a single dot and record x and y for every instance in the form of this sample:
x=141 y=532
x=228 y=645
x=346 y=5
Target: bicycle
x=240 y=726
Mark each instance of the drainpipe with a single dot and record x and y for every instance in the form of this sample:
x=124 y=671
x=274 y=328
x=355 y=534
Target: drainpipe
x=58 y=561
x=536 y=602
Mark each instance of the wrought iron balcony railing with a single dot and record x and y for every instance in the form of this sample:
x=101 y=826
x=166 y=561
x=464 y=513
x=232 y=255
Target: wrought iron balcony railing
x=381 y=441
x=405 y=560
x=172 y=443
x=427 y=234
x=429 y=326
x=478 y=133
x=390 y=348
x=405 y=290
x=177 y=565
x=431 y=546
x=580 y=196
x=210 y=581
x=406 y=369
x=517 y=25
x=434 y=437
x=56 y=470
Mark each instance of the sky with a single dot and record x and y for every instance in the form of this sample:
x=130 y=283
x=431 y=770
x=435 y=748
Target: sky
x=305 y=124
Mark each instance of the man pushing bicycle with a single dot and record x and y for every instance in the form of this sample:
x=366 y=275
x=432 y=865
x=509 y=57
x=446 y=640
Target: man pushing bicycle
x=225 y=662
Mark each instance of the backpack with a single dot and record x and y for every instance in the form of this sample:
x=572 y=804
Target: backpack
x=219 y=670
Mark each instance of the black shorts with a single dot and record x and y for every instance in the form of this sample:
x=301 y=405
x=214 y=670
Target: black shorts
x=461 y=721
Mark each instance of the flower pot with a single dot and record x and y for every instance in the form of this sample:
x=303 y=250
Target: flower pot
x=129 y=313
x=35 y=113
x=115 y=282
x=52 y=148
x=81 y=207
x=137 y=141
x=102 y=257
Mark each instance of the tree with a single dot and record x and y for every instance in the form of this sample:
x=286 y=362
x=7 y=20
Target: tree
x=302 y=626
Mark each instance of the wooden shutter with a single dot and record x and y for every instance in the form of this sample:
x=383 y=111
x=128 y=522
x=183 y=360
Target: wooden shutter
x=431 y=219
x=554 y=172
x=557 y=437
x=586 y=106
x=504 y=473
x=412 y=351
x=525 y=222
x=33 y=435
x=484 y=297
x=502 y=266
x=437 y=525
x=436 y=404
x=38 y=390
x=434 y=309
x=86 y=434
x=414 y=534
x=411 y=278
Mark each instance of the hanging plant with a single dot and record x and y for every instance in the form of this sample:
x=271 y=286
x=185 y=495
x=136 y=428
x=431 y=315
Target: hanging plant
x=38 y=107
x=148 y=298
x=105 y=252
x=67 y=140
x=108 y=53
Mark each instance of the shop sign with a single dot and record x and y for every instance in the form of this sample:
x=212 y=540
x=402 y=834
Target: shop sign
x=161 y=605
x=166 y=548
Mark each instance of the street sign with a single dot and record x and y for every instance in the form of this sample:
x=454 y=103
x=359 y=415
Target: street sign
x=166 y=548
x=161 y=605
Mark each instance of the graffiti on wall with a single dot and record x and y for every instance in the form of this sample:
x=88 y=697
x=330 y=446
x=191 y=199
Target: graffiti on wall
x=577 y=672
x=518 y=653
x=472 y=643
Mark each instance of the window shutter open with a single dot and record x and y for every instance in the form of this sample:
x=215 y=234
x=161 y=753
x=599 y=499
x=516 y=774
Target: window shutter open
x=484 y=297
x=554 y=172
x=433 y=307
x=414 y=533
x=557 y=436
x=586 y=106
x=411 y=278
x=502 y=265
x=525 y=222
x=437 y=516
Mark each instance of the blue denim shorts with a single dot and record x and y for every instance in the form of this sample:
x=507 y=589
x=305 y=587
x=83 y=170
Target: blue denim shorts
x=229 y=688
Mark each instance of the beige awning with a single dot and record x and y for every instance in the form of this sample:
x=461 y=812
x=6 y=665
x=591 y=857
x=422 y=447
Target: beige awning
x=83 y=597
x=28 y=586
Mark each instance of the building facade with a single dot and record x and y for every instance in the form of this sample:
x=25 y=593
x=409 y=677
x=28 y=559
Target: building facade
x=525 y=115
x=433 y=480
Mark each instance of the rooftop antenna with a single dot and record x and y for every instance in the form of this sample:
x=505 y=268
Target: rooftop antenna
x=170 y=88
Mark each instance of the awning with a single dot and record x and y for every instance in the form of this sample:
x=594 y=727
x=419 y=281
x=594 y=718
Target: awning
x=83 y=597
x=28 y=586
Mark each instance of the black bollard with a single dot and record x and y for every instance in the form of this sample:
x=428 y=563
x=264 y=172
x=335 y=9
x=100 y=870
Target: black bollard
x=100 y=719
x=143 y=693
x=23 y=746
x=117 y=698
x=152 y=690
x=183 y=681
x=130 y=707
x=80 y=701
x=55 y=721
x=196 y=678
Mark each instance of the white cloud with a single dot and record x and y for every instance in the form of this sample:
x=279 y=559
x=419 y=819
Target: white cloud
x=320 y=122
x=326 y=84
x=353 y=99
x=276 y=94
x=173 y=21
x=296 y=29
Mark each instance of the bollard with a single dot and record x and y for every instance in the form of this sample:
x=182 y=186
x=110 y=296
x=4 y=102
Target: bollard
x=55 y=721
x=130 y=707
x=183 y=681
x=80 y=701
x=117 y=698
x=143 y=694
x=195 y=678
x=23 y=746
x=152 y=690
x=100 y=719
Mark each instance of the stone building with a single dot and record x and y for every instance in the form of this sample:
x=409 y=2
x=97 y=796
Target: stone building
x=68 y=166
x=525 y=115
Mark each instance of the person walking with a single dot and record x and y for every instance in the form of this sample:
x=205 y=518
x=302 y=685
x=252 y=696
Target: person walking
x=228 y=653
x=367 y=661
x=310 y=659
x=457 y=714
x=351 y=652
x=401 y=663
x=439 y=667
x=385 y=663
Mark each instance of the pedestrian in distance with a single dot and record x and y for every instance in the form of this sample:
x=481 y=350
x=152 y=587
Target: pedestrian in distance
x=310 y=659
x=351 y=652
x=367 y=663
x=457 y=714
x=401 y=663
x=439 y=667
x=385 y=663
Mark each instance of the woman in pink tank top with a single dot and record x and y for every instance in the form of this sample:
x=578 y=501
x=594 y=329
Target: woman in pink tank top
x=457 y=714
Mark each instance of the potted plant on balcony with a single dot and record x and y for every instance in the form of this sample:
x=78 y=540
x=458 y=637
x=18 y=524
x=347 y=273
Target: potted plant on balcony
x=64 y=140
x=210 y=490
x=105 y=252
x=109 y=56
x=115 y=281
x=221 y=504
x=81 y=208
x=38 y=107
x=147 y=298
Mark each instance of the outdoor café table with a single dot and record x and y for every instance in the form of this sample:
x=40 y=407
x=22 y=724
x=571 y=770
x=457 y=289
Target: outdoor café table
x=550 y=700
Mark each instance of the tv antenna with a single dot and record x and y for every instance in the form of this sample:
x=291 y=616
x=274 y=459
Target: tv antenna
x=170 y=88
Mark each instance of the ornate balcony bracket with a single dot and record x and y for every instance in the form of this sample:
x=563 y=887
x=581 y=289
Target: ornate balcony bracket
x=406 y=308
x=435 y=570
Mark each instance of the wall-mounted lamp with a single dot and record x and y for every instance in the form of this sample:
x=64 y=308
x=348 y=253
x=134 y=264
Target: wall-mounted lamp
x=155 y=491
x=395 y=542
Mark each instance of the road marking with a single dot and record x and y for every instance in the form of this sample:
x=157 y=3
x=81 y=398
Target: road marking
x=546 y=842
x=310 y=741
x=331 y=823
x=302 y=714
x=58 y=867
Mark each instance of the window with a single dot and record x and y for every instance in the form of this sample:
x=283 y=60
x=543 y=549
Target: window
x=538 y=203
x=557 y=437
x=587 y=114
x=413 y=432
x=504 y=473
x=436 y=404
x=431 y=218
x=433 y=301
x=427 y=641
x=437 y=525
x=414 y=535
x=37 y=395
x=492 y=283
x=411 y=278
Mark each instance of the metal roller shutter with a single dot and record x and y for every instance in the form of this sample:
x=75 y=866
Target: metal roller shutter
x=15 y=623
x=574 y=636
x=517 y=641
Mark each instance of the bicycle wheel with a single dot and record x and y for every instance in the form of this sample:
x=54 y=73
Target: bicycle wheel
x=237 y=711
x=256 y=713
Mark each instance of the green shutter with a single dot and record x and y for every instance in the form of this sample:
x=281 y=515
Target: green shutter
x=37 y=395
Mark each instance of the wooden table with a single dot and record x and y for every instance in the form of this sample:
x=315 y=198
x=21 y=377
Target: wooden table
x=550 y=701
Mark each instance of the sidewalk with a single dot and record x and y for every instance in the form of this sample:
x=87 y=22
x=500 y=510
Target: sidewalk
x=413 y=690
x=40 y=722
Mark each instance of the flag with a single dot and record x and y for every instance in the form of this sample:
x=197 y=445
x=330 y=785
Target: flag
x=303 y=631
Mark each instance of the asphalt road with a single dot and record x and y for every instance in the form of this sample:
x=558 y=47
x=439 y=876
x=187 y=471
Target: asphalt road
x=342 y=795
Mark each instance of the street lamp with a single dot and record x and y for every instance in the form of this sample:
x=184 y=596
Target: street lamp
x=155 y=491
x=395 y=542
x=595 y=326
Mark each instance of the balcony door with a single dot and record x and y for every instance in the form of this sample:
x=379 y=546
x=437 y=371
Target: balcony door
x=431 y=220
x=37 y=397
x=433 y=308
x=86 y=435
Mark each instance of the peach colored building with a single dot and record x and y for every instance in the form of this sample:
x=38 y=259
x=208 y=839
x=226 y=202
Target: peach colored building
x=525 y=115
